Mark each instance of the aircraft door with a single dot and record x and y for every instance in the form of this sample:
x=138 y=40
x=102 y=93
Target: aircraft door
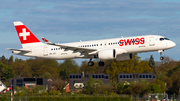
x=45 y=51
x=151 y=41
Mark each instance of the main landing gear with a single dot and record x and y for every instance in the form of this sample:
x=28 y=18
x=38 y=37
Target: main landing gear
x=91 y=63
x=161 y=57
x=101 y=63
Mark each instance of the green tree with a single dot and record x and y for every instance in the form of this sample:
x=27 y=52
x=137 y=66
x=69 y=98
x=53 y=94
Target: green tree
x=123 y=88
x=157 y=86
x=96 y=87
x=10 y=60
x=6 y=72
x=139 y=87
x=58 y=84
x=4 y=60
x=68 y=66
x=21 y=69
x=41 y=66
x=152 y=63
x=134 y=65
x=47 y=75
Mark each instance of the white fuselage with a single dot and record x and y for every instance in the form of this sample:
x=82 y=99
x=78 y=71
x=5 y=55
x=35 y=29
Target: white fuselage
x=135 y=44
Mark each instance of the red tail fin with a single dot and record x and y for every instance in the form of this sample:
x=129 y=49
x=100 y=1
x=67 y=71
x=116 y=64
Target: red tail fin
x=24 y=34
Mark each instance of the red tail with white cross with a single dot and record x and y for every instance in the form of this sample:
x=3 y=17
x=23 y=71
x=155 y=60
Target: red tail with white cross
x=24 y=34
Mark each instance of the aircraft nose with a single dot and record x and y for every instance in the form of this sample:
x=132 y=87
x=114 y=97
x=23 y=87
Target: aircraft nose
x=171 y=44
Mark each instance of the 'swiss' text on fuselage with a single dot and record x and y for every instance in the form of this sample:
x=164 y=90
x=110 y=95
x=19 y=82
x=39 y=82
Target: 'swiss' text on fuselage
x=135 y=41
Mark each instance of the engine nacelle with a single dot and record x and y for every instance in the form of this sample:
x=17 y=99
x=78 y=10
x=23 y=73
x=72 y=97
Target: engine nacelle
x=117 y=53
x=107 y=54
x=124 y=57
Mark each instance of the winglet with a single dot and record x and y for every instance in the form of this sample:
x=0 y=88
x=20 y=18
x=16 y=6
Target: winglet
x=47 y=41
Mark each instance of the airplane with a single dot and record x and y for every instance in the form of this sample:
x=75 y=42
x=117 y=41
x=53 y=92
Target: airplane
x=106 y=49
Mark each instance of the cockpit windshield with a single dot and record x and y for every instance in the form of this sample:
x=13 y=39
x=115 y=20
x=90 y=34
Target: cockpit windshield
x=161 y=39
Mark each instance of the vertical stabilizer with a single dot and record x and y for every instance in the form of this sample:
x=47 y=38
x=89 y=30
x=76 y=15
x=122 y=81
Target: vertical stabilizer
x=25 y=35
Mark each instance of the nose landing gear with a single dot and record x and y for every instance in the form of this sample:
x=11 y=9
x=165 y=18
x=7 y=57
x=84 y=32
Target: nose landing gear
x=161 y=57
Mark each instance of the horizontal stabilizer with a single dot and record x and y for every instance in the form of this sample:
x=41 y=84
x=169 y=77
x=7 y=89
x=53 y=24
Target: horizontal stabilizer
x=22 y=50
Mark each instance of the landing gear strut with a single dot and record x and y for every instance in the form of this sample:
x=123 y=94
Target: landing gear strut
x=90 y=63
x=161 y=57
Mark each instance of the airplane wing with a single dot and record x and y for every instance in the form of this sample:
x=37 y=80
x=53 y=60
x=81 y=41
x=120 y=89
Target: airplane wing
x=82 y=50
x=22 y=50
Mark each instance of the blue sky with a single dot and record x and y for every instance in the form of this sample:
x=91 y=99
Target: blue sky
x=73 y=20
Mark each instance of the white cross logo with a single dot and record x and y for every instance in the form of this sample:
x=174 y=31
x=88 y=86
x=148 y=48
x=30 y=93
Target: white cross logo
x=24 y=33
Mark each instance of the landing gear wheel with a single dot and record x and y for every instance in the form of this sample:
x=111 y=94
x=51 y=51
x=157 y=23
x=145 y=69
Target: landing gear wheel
x=90 y=63
x=161 y=58
x=101 y=63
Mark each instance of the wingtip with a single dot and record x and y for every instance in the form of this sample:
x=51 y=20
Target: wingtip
x=16 y=23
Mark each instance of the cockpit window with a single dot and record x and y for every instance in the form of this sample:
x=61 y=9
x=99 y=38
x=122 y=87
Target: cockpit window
x=166 y=39
x=161 y=39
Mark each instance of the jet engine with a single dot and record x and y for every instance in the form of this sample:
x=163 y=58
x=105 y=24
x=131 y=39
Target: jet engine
x=117 y=53
x=107 y=54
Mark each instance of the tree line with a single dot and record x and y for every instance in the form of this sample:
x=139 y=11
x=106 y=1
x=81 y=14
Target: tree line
x=167 y=71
